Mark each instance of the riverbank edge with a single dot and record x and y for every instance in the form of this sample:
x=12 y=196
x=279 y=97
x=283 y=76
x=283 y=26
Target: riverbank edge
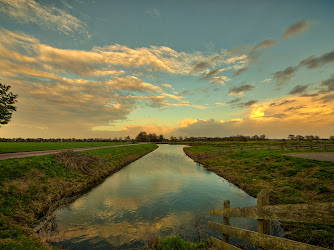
x=292 y=229
x=65 y=198
x=242 y=186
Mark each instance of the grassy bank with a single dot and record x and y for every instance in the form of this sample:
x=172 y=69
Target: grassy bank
x=33 y=187
x=13 y=147
x=289 y=179
x=175 y=242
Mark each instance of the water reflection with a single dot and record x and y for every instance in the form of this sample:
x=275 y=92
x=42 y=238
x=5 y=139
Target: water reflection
x=164 y=192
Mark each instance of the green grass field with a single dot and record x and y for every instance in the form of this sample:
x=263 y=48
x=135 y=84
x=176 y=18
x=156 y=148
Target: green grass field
x=31 y=187
x=289 y=180
x=13 y=147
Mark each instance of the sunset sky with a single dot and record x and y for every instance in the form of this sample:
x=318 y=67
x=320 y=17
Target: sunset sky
x=101 y=68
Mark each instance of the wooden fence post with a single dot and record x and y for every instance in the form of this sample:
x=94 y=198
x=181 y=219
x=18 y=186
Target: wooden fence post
x=226 y=221
x=311 y=146
x=263 y=225
x=325 y=146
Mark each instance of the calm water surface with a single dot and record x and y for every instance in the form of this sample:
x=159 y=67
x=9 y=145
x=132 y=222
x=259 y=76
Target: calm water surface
x=164 y=193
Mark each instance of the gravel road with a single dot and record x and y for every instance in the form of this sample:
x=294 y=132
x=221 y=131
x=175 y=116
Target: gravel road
x=320 y=156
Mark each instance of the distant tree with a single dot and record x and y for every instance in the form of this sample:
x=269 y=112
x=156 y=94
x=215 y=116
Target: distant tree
x=291 y=137
x=142 y=137
x=7 y=99
x=309 y=137
x=263 y=137
x=299 y=137
x=180 y=138
x=161 y=138
x=152 y=137
x=255 y=137
x=331 y=138
x=173 y=138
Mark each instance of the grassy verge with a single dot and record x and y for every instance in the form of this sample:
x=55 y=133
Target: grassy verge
x=289 y=179
x=175 y=242
x=33 y=187
x=13 y=147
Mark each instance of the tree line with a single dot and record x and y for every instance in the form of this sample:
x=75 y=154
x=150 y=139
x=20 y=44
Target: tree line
x=307 y=138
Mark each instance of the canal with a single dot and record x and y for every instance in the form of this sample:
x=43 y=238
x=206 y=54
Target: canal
x=163 y=193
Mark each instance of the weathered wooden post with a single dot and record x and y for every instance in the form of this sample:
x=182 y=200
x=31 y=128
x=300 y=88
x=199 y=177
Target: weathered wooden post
x=226 y=221
x=311 y=146
x=325 y=146
x=296 y=146
x=282 y=146
x=263 y=225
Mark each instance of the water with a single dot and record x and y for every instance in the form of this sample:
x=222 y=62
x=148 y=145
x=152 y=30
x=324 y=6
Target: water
x=163 y=193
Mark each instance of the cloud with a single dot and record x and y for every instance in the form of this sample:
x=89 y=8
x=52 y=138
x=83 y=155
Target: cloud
x=212 y=73
x=80 y=90
x=240 y=90
x=299 y=89
x=234 y=101
x=296 y=29
x=186 y=122
x=220 y=103
x=165 y=85
x=312 y=62
x=327 y=98
x=282 y=77
x=203 y=63
x=329 y=84
x=247 y=104
x=300 y=115
x=30 y=11
x=281 y=103
x=240 y=71
x=266 y=80
x=269 y=42
x=315 y=62
x=132 y=83
x=220 y=80
x=254 y=54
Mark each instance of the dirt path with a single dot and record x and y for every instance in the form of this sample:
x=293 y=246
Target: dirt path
x=47 y=152
x=320 y=156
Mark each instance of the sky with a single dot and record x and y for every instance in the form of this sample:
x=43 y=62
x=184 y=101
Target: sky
x=105 y=69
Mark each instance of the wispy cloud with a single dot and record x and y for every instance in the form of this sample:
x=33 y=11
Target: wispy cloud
x=266 y=80
x=299 y=89
x=247 y=104
x=48 y=17
x=312 y=62
x=269 y=42
x=240 y=90
x=220 y=80
x=296 y=29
